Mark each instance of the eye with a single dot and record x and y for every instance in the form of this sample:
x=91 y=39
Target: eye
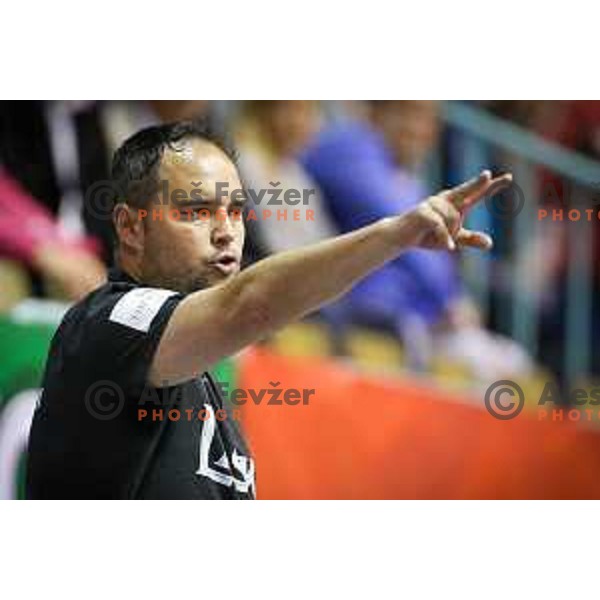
x=236 y=213
x=201 y=214
x=187 y=214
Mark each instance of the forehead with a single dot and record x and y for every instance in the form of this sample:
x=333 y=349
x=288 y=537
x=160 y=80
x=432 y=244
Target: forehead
x=191 y=161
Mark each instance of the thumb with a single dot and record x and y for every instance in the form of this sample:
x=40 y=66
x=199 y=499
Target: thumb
x=473 y=239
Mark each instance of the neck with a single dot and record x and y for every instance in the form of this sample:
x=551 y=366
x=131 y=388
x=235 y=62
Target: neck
x=130 y=266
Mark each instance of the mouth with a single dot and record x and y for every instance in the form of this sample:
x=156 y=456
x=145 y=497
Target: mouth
x=225 y=263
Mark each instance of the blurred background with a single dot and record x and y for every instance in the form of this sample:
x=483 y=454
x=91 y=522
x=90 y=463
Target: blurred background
x=401 y=364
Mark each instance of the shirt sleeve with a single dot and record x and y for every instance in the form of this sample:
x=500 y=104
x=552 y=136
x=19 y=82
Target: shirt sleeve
x=123 y=333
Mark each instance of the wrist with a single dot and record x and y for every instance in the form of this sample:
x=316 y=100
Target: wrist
x=402 y=231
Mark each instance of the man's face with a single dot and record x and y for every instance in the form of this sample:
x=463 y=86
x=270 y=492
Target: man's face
x=203 y=247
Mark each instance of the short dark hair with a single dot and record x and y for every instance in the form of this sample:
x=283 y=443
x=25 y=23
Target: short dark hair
x=136 y=163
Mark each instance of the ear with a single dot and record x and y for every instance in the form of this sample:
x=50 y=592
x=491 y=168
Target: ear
x=128 y=227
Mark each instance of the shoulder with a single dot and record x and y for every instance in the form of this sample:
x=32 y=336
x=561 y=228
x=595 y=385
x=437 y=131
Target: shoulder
x=119 y=304
x=112 y=334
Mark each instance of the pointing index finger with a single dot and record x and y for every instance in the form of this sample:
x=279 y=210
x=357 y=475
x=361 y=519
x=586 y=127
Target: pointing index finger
x=466 y=195
x=458 y=195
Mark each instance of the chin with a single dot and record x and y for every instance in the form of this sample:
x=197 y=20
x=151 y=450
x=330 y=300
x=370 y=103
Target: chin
x=206 y=279
x=216 y=278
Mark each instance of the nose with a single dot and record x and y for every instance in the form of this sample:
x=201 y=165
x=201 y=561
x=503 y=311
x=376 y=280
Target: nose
x=222 y=231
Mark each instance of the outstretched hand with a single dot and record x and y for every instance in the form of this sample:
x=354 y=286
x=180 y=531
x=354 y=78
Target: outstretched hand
x=439 y=219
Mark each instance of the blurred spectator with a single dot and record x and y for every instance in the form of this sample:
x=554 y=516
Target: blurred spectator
x=50 y=152
x=55 y=151
x=368 y=169
x=58 y=149
x=269 y=135
x=29 y=234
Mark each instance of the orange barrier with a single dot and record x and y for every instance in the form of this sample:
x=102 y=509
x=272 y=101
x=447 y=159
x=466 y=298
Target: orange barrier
x=360 y=437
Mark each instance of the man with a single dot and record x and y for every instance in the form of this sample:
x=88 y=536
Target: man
x=176 y=305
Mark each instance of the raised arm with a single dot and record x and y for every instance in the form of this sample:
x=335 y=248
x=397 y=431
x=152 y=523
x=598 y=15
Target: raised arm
x=214 y=323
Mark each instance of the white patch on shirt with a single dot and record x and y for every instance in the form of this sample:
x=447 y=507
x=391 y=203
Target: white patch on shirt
x=137 y=308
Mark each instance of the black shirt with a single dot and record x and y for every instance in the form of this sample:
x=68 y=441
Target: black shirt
x=100 y=431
